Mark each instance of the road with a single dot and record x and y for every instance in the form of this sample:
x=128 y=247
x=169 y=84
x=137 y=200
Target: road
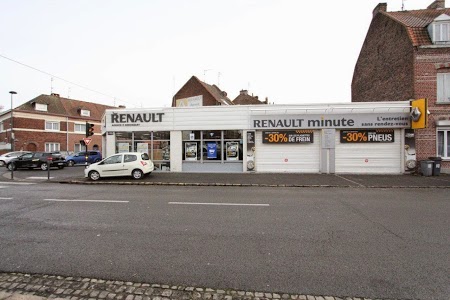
x=377 y=243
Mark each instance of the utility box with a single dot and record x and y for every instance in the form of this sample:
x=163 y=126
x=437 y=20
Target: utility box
x=436 y=165
x=426 y=167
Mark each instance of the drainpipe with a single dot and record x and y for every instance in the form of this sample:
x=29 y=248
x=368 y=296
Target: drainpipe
x=67 y=135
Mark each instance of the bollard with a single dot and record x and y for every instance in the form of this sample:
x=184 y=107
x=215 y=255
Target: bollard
x=12 y=169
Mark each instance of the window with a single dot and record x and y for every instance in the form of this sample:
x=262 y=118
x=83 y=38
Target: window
x=443 y=87
x=50 y=125
x=441 y=32
x=80 y=127
x=85 y=113
x=129 y=158
x=116 y=159
x=443 y=143
x=51 y=147
x=40 y=107
x=77 y=148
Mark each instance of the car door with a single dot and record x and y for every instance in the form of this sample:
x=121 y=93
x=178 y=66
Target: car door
x=24 y=161
x=111 y=166
x=80 y=158
x=130 y=162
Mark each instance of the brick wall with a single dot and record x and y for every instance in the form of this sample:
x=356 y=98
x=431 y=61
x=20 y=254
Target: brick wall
x=384 y=70
x=194 y=88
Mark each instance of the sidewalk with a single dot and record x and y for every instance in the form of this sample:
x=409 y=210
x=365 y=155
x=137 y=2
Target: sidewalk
x=16 y=286
x=277 y=180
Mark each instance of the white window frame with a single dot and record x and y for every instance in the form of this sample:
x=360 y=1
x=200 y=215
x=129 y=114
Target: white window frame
x=54 y=125
x=82 y=125
x=443 y=87
x=40 y=107
x=85 y=113
x=52 y=147
x=441 y=32
x=78 y=148
x=446 y=149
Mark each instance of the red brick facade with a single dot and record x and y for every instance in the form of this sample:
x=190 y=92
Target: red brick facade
x=30 y=125
x=393 y=65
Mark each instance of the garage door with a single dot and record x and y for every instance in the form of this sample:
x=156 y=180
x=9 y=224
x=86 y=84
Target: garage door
x=295 y=158
x=363 y=157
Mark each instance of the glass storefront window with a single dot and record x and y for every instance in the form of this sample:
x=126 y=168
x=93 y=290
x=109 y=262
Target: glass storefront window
x=212 y=145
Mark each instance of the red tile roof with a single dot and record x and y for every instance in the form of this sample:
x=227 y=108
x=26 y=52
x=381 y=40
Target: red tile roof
x=416 y=22
x=57 y=105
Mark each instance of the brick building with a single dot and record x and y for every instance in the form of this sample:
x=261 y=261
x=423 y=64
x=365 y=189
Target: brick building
x=198 y=93
x=51 y=123
x=406 y=55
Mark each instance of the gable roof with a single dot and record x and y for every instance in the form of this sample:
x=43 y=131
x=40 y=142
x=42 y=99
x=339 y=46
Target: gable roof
x=416 y=22
x=57 y=105
x=219 y=95
x=245 y=99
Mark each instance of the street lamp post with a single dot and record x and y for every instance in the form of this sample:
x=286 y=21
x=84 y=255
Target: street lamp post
x=12 y=121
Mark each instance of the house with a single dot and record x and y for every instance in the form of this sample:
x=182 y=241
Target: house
x=245 y=99
x=405 y=56
x=198 y=93
x=51 y=123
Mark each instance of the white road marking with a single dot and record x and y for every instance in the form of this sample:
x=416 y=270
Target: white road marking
x=223 y=204
x=86 y=200
x=40 y=178
x=5 y=198
x=16 y=183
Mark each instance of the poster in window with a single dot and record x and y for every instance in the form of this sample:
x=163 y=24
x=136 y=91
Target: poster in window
x=123 y=147
x=211 y=150
x=190 y=151
x=142 y=147
x=232 y=150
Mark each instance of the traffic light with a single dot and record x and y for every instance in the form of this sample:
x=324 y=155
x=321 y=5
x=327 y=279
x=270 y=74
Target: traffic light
x=419 y=114
x=89 y=129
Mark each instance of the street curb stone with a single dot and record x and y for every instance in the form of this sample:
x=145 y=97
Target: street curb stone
x=18 y=286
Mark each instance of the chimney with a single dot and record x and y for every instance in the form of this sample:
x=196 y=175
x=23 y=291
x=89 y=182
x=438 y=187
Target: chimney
x=266 y=101
x=437 y=4
x=122 y=106
x=381 y=7
x=54 y=94
x=243 y=92
x=256 y=97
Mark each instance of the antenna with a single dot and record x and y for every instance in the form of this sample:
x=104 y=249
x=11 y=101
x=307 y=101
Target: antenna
x=218 y=79
x=403 y=5
x=68 y=93
x=204 y=74
x=51 y=86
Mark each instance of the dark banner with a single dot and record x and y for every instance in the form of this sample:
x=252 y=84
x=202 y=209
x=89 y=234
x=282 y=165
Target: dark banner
x=288 y=137
x=367 y=136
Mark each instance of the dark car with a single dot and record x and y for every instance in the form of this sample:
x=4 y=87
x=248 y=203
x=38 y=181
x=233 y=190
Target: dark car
x=81 y=158
x=38 y=160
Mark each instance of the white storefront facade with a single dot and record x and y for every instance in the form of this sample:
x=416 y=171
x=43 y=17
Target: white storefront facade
x=362 y=138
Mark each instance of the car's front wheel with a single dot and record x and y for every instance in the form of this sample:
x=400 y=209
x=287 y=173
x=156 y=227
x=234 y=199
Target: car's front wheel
x=11 y=167
x=137 y=174
x=70 y=163
x=94 y=175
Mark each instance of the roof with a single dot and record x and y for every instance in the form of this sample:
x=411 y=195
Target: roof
x=245 y=99
x=217 y=93
x=416 y=22
x=63 y=106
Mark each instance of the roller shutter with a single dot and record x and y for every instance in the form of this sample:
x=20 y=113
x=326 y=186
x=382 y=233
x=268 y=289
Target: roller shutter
x=293 y=158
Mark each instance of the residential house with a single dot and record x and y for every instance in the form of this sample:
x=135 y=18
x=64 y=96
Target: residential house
x=198 y=93
x=245 y=99
x=405 y=56
x=51 y=123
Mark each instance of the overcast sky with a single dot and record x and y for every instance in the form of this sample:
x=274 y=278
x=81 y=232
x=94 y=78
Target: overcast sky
x=139 y=53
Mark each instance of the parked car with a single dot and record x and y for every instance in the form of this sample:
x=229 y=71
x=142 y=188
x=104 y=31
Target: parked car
x=83 y=158
x=6 y=158
x=133 y=164
x=40 y=160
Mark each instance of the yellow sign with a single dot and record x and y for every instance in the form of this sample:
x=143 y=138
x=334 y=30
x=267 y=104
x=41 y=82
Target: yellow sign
x=419 y=114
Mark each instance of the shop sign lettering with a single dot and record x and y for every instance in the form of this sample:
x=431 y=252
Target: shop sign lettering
x=135 y=119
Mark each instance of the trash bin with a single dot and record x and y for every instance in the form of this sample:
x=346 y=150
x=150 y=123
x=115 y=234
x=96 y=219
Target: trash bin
x=436 y=165
x=426 y=167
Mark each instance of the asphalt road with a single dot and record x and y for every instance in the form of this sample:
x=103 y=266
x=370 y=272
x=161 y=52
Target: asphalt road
x=374 y=243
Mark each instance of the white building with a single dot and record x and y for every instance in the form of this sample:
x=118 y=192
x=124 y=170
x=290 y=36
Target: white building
x=364 y=138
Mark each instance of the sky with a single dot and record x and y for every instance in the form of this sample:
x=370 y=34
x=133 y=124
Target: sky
x=139 y=53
